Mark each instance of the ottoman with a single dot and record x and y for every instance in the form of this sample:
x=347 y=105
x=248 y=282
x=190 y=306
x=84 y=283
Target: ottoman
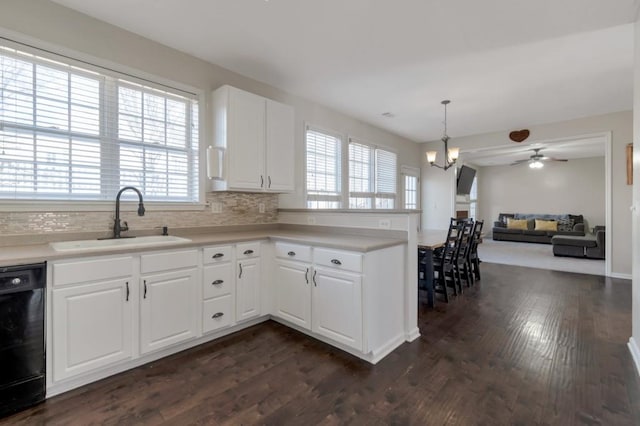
x=574 y=246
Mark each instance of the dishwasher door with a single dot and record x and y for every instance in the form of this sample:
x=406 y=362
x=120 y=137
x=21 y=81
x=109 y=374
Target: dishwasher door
x=22 y=334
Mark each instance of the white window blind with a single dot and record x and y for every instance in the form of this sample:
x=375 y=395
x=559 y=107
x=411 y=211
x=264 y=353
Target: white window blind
x=323 y=153
x=372 y=177
x=69 y=133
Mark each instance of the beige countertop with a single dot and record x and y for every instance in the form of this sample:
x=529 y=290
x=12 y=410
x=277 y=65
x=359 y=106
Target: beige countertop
x=35 y=253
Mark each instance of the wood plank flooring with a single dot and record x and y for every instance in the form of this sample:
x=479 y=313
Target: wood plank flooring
x=523 y=347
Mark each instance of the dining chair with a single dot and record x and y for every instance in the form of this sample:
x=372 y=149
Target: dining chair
x=462 y=266
x=443 y=261
x=474 y=258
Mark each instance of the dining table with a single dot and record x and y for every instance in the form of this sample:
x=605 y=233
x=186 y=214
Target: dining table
x=429 y=240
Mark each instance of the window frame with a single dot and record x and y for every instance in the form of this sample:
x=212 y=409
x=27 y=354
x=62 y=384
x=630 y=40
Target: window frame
x=340 y=170
x=408 y=171
x=372 y=194
x=82 y=64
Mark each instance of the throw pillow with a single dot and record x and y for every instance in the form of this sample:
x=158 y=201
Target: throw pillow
x=565 y=225
x=546 y=225
x=516 y=223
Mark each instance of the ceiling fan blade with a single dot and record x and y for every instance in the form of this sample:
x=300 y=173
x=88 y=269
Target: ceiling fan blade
x=519 y=162
x=554 y=159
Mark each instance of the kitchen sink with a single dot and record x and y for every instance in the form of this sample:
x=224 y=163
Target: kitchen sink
x=136 y=242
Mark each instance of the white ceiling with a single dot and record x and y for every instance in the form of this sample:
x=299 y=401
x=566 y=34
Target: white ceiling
x=505 y=64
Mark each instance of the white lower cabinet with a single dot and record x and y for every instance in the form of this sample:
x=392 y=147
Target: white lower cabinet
x=248 y=289
x=110 y=313
x=321 y=291
x=292 y=284
x=337 y=306
x=248 y=281
x=218 y=289
x=92 y=326
x=168 y=313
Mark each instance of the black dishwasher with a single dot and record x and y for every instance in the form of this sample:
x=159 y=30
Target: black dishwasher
x=22 y=349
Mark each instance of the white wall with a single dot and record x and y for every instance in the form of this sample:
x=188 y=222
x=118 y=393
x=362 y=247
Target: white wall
x=620 y=125
x=66 y=31
x=635 y=339
x=576 y=187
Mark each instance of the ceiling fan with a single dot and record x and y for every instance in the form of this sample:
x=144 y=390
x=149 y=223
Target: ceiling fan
x=536 y=160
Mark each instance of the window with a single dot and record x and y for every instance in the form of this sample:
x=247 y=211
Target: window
x=372 y=177
x=70 y=133
x=411 y=188
x=324 y=152
x=473 y=199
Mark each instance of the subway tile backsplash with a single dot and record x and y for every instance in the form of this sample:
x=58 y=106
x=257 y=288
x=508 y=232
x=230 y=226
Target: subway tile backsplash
x=237 y=209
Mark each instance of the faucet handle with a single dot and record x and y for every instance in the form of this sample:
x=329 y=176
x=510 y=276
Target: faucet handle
x=124 y=227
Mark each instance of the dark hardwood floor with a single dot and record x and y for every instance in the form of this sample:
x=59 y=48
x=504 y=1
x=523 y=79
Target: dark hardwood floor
x=524 y=346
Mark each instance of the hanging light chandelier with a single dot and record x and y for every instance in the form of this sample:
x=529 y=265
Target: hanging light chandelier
x=450 y=154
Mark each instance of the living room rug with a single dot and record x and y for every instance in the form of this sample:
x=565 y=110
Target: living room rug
x=535 y=256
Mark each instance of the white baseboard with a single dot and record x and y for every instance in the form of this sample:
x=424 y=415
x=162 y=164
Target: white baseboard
x=635 y=353
x=412 y=335
x=620 y=276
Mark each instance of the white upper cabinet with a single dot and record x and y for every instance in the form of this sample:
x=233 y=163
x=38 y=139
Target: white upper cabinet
x=256 y=136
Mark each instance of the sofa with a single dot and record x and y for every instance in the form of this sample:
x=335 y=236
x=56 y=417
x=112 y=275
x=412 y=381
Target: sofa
x=590 y=245
x=525 y=229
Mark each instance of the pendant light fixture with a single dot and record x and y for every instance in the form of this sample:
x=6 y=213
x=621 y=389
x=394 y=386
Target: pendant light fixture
x=450 y=154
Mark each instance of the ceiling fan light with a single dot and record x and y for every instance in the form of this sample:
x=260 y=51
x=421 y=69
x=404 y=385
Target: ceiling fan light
x=536 y=164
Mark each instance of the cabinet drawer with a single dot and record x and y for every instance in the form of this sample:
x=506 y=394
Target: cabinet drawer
x=218 y=280
x=293 y=252
x=344 y=260
x=247 y=250
x=217 y=254
x=83 y=271
x=217 y=313
x=166 y=261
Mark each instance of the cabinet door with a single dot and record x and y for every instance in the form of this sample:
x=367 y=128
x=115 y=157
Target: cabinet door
x=337 y=306
x=279 y=149
x=92 y=326
x=248 y=289
x=245 y=140
x=168 y=312
x=293 y=293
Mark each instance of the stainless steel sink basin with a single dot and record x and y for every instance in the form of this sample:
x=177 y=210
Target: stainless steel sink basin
x=150 y=241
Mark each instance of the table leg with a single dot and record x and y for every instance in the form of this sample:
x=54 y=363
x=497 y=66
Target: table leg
x=429 y=277
x=425 y=273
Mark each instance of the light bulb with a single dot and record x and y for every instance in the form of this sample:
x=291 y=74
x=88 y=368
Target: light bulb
x=431 y=156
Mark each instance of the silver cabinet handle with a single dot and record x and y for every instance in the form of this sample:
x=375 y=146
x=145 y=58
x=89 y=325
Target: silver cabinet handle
x=127 y=283
x=291 y=253
x=248 y=252
x=269 y=181
x=217 y=255
x=336 y=262
x=217 y=315
x=261 y=181
x=315 y=283
x=306 y=276
x=217 y=282
x=145 y=290
x=240 y=264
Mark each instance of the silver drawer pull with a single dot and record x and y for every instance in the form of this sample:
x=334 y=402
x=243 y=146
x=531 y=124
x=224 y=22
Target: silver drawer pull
x=336 y=262
x=247 y=252
x=217 y=315
x=291 y=253
x=217 y=282
x=217 y=255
